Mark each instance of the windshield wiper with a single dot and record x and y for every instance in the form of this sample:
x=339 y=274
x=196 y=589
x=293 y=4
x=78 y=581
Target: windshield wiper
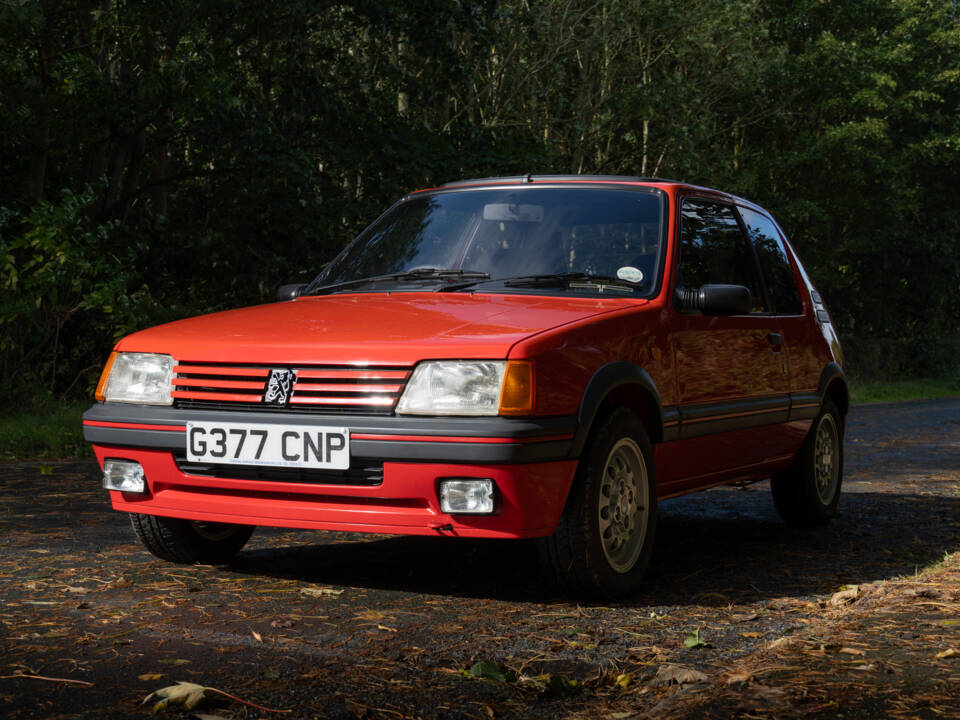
x=569 y=277
x=415 y=274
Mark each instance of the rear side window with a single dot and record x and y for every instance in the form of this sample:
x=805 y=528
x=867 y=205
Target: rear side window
x=713 y=249
x=776 y=268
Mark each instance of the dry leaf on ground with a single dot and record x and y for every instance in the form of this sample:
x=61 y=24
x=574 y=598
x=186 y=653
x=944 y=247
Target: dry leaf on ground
x=676 y=674
x=845 y=597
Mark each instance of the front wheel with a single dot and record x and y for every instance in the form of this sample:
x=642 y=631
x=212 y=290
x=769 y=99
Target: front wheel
x=190 y=541
x=808 y=492
x=604 y=539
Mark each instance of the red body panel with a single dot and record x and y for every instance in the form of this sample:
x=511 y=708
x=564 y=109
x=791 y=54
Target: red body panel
x=367 y=328
x=532 y=498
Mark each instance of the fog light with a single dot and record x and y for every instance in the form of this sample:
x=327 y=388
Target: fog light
x=473 y=497
x=124 y=475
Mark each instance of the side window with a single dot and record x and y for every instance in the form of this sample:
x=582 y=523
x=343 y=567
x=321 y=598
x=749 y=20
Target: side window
x=713 y=249
x=776 y=268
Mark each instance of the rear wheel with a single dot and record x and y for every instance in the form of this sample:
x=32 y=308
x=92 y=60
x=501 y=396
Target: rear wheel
x=604 y=539
x=808 y=492
x=190 y=541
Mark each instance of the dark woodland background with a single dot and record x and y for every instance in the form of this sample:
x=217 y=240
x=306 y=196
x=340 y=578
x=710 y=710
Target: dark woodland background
x=160 y=159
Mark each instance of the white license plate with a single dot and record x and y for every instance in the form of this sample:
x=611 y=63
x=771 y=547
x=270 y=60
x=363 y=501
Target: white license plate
x=306 y=446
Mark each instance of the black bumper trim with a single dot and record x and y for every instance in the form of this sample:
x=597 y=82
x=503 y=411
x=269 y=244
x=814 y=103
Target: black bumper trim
x=517 y=437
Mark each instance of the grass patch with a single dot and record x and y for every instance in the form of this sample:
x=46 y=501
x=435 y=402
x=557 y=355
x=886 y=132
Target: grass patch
x=897 y=390
x=44 y=432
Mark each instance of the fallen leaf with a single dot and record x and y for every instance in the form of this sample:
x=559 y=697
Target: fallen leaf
x=865 y=668
x=620 y=715
x=751 y=635
x=622 y=680
x=852 y=651
x=46 y=469
x=77 y=590
x=693 y=641
x=172 y=661
x=257 y=636
x=183 y=693
x=190 y=695
x=846 y=596
x=744 y=618
x=150 y=676
x=388 y=629
x=489 y=670
x=951 y=653
x=315 y=591
x=676 y=674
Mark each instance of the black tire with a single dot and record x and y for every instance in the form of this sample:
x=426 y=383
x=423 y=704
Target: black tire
x=187 y=541
x=615 y=486
x=808 y=492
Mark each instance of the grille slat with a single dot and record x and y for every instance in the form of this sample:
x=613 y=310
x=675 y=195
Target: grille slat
x=317 y=389
x=207 y=383
x=369 y=476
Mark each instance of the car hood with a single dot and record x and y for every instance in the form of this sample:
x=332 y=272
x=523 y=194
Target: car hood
x=380 y=328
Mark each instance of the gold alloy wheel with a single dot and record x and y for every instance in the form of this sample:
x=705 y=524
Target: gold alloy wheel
x=624 y=505
x=826 y=465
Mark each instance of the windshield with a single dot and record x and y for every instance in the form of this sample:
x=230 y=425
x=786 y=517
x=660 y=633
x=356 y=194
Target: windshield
x=508 y=233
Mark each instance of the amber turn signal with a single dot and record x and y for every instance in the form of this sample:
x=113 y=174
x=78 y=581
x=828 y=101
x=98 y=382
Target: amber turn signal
x=100 y=394
x=516 y=397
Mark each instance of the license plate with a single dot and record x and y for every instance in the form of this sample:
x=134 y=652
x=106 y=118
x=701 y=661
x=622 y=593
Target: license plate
x=306 y=446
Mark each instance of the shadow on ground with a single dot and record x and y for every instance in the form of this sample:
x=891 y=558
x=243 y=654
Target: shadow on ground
x=711 y=550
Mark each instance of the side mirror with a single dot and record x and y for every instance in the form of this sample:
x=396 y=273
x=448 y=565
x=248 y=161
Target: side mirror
x=716 y=299
x=289 y=292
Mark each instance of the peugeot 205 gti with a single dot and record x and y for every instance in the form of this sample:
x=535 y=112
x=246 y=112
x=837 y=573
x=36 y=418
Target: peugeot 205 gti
x=535 y=357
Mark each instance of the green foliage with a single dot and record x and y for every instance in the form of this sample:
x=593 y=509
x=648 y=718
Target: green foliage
x=159 y=160
x=58 y=273
x=44 y=430
x=898 y=390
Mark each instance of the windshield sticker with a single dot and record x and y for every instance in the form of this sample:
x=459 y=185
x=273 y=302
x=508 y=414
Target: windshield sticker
x=630 y=274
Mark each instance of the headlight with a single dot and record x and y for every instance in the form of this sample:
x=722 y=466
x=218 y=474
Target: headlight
x=468 y=387
x=137 y=378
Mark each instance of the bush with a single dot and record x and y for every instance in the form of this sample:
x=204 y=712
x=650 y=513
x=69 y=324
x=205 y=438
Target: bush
x=70 y=289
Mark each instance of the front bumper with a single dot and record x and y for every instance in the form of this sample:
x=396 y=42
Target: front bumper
x=528 y=460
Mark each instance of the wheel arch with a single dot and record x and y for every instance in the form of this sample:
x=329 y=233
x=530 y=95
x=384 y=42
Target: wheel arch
x=833 y=385
x=619 y=384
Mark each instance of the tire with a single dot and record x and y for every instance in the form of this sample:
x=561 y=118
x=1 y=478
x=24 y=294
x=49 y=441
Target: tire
x=188 y=541
x=604 y=539
x=808 y=492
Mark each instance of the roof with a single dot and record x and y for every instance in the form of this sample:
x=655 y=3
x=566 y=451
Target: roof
x=613 y=179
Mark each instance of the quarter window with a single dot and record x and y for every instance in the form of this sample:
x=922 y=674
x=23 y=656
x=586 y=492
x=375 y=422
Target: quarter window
x=713 y=249
x=776 y=268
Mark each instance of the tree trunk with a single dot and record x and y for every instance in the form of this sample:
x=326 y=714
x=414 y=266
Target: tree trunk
x=39 y=151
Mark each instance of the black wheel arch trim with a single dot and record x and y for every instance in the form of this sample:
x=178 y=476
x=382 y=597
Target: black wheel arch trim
x=832 y=372
x=605 y=380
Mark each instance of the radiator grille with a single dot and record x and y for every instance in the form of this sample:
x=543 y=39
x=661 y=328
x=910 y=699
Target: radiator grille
x=335 y=389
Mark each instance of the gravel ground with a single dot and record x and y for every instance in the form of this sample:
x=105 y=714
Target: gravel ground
x=328 y=625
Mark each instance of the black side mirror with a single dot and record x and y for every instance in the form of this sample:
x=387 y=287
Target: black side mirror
x=716 y=299
x=289 y=292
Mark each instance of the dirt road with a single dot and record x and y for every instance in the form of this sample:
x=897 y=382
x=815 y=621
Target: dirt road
x=349 y=626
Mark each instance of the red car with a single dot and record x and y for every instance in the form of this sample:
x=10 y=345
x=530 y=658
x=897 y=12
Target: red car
x=533 y=357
